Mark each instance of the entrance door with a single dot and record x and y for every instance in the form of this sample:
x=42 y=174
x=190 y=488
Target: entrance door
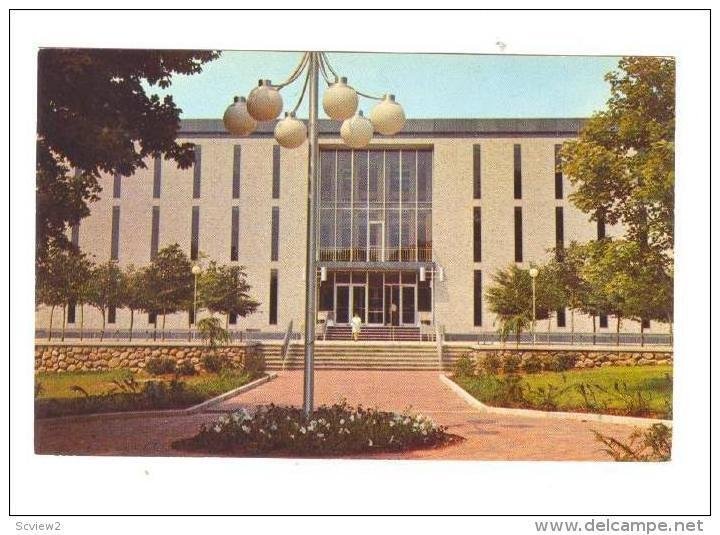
x=408 y=305
x=342 y=304
x=392 y=304
x=358 y=302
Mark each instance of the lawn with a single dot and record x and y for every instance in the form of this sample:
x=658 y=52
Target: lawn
x=627 y=390
x=62 y=394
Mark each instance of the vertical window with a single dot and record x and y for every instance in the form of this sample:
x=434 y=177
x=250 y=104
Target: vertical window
x=232 y=320
x=561 y=317
x=236 y=172
x=117 y=185
x=234 y=233
x=155 y=232
x=477 y=172
x=477 y=298
x=477 y=235
x=195 y=233
x=197 y=172
x=603 y=321
x=71 y=312
x=518 y=235
x=275 y=234
x=115 y=233
x=646 y=324
x=276 y=172
x=112 y=313
x=191 y=316
x=558 y=174
x=152 y=318
x=157 y=176
x=600 y=226
x=273 y=312
x=75 y=234
x=559 y=232
x=424 y=176
x=517 y=172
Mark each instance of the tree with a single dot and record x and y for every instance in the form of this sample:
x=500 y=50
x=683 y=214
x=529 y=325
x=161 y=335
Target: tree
x=94 y=115
x=169 y=278
x=49 y=277
x=622 y=164
x=106 y=289
x=134 y=292
x=510 y=298
x=565 y=273
x=78 y=275
x=224 y=290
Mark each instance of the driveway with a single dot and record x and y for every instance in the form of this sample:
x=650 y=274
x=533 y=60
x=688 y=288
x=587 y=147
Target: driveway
x=487 y=437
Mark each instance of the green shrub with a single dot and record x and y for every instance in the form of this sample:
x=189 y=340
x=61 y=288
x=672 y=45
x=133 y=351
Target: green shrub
x=561 y=362
x=186 y=368
x=160 y=365
x=214 y=363
x=531 y=364
x=511 y=363
x=650 y=445
x=464 y=366
x=491 y=363
x=253 y=362
x=335 y=430
x=507 y=391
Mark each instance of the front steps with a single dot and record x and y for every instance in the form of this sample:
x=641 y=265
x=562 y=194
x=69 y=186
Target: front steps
x=357 y=356
x=380 y=333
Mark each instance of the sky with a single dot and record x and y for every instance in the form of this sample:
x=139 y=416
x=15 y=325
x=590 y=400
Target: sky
x=427 y=85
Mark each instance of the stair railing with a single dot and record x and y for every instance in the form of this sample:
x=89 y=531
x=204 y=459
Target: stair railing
x=439 y=339
x=286 y=343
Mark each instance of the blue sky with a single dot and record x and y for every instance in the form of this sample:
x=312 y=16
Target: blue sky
x=427 y=85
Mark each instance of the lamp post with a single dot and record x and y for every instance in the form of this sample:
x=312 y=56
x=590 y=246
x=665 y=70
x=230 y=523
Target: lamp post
x=196 y=270
x=340 y=102
x=533 y=275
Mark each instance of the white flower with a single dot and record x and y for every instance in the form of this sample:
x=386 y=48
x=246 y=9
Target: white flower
x=391 y=439
x=273 y=427
x=262 y=431
x=370 y=442
x=217 y=428
x=292 y=437
x=302 y=430
x=321 y=435
x=424 y=432
x=392 y=424
x=245 y=428
x=352 y=417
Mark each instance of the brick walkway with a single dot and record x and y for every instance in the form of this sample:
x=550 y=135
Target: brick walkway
x=488 y=437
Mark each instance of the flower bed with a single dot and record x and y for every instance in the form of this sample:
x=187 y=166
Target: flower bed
x=335 y=430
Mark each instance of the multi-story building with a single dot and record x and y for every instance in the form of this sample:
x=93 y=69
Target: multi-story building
x=410 y=229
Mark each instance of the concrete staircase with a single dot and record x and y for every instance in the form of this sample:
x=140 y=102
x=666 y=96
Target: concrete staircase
x=379 y=333
x=357 y=356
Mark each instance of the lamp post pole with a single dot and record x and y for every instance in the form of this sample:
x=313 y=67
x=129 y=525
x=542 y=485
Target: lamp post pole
x=313 y=154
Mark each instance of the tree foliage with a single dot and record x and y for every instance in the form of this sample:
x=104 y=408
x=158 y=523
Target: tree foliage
x=622 y=164
x=224 y=290
x=94 y=115
x=106 y=288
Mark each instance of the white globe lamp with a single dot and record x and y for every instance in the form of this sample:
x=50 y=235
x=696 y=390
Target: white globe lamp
x=290 y=132
x=264 y=102
x=237 y=120
x=357 y=131
x=387 y=116
x=340 y=100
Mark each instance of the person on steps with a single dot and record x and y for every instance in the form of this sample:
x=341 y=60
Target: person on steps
x=356 y=323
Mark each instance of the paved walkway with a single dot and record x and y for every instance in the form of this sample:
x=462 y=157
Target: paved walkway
x=487 y=437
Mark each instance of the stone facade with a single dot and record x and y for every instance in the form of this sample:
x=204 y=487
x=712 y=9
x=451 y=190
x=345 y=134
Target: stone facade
x=73 y=358
x=584 y=358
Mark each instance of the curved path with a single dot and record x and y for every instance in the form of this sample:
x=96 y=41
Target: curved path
x=488 y=437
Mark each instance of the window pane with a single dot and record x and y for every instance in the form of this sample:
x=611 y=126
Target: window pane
x=344 y=177
x=276 y=172
x=424 y=176
x=517 y=165
x=409 y=176
x=477 y=298
x=392 y=177
x=518 y=235
x=376 y=176
x=327 y=177
x=360 y=181
x=360 y=223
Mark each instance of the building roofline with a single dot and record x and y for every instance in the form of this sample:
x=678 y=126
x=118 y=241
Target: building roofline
x=416 y=127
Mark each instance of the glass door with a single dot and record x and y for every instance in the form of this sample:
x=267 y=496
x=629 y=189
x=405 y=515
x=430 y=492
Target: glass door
x=358 y=302
x=375 y=299
x=408 y=305
x=342 y=304
x=392 y=304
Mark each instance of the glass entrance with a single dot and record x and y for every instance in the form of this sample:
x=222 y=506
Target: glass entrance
x=392 y=304
x=408 y=305
x=350 y=298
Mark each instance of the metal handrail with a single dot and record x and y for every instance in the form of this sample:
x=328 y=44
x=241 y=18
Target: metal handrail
x=286 y=343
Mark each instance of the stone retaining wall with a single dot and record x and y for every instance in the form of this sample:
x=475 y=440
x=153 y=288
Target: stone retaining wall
x=71 y=358
x=584 y=358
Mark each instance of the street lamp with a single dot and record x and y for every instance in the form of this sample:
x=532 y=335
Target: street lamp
x=533 y=275
x=196 y=270
x=340 y=103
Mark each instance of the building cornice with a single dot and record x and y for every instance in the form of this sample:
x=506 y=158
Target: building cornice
x=550 y=127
